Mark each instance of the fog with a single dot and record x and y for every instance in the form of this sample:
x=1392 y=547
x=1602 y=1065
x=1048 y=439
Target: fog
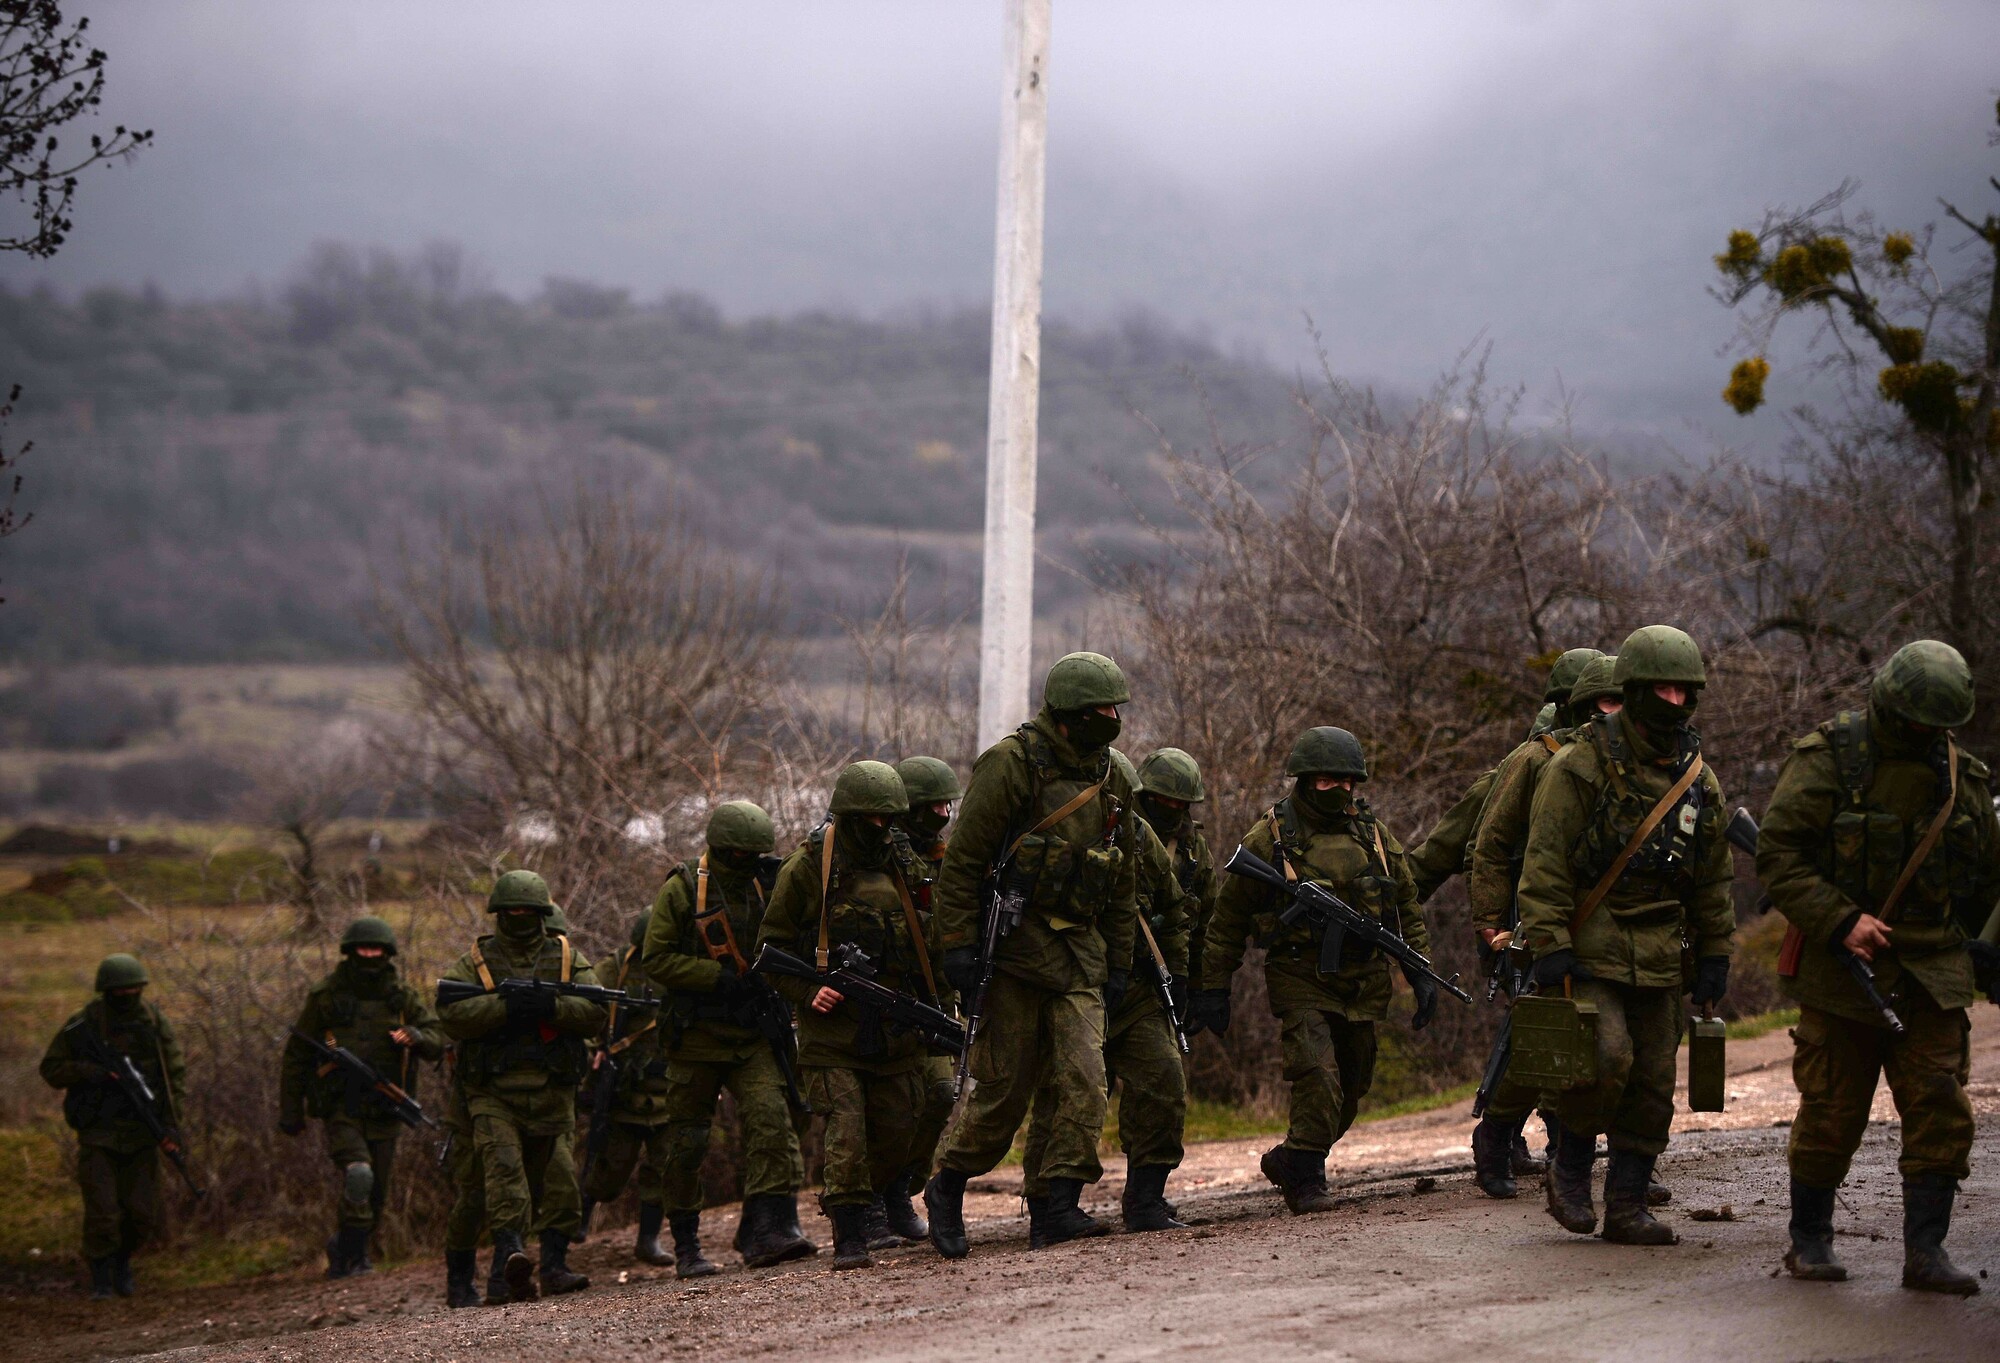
x=1551 y=176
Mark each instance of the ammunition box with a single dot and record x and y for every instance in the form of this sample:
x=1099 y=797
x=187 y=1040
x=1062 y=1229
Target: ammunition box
x=1555 y=1043
x=1706 y=1074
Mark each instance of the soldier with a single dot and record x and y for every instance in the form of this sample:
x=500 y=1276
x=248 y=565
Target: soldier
x=117 y=1158
x=365 y=1007
x=1881 y=842
x=1049 y=813
x=639 y=1138
x=1141 y=1055
x=467 y=1217
x=520 y=1059
x=1625 y=861
x=844 y=888
x=1169 y=788
x=1498 y=846
x=933 y=788
x=705 y=922
x=1322 y=832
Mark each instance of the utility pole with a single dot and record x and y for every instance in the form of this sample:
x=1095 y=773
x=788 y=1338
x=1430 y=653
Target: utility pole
x=1007 y=597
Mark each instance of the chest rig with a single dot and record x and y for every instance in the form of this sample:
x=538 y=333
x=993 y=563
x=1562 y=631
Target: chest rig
x=362 y=1024
x=1869 y=847
x=872 y=909
x=1065 y=883
x=1367 y=883
x=1668 y=855
x=533 y=1046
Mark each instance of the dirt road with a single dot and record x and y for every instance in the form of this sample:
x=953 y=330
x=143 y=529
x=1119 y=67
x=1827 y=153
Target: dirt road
x=1414 y=1265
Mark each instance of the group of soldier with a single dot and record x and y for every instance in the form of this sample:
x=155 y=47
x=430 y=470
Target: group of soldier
x=1075 y=920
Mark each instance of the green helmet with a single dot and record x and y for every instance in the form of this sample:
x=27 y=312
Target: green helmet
x=1172 y=775
x=120 y=971
x=557 y=922
x=369 y=932
x=929 y=781
x=869 y=788
x=740 y=826
x=1926 y=683
x=1545 y=720
x=1598 y=680
x=1659 y=653
x=520 y=890
x=1327 y=751
x=1567 y=669
x=1080 y=681
x=1124 y=765
x=639 y=926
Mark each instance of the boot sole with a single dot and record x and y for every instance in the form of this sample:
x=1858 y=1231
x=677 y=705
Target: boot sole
x=561 y=1289
x=520 y=1279
x=1815 y=1273
x=1644 y=1239
x=704 y=1269
x=804 y=1249
x=1969 y=1288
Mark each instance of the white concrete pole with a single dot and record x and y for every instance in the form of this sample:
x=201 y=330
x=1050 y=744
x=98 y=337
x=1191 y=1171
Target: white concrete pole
x=1007 y=599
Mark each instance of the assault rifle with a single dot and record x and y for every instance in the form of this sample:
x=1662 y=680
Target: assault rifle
x=603 y=1084
x=365 y=1077
x=1006 y=906
x=138 y=1094
x=1509 y=972
x=1337 y=920
x=876 y=1006
x=1162 y=982
x=1742 y=831
x=458 y=991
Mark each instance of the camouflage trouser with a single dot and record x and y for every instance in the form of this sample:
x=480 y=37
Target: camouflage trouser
x=631 y=1146
x=1836 y=1065
x=530 y=1176
x=1638 y=1040
x=1152 y=1096
x=1030 y=1039
x=771 y=1161
x=364 y=1164
x=1330 y=1064
x=121 y=1198
x=935 y=1116
x=468 y=1183
x=871 y=1125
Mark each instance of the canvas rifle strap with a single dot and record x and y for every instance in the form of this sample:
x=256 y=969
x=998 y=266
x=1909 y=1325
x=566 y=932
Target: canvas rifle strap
x=826 y=883
x=1930 y=838
x=1153 y=945
x=1633 y=844
x=713 y=927
x=1069 y=807
x=1551 y=742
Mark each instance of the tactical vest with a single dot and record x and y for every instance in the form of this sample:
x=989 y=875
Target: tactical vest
x=1667 y=860
x=690 y=1008
x=530 y=1054
x=1351 y=862
x=362 y=1025
x=98 y=1105
x=634 y=1040
x=863 y=906
x=1066 y=884
x=1868 y=845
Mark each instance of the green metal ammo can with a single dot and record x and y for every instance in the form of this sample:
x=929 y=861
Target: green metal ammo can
x=1706 y=1071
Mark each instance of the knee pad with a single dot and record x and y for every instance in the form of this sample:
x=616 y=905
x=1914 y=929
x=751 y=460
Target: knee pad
x=359 y=1182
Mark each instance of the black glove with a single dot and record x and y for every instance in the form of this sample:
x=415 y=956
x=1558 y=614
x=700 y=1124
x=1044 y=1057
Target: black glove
x=1711 y=982
x=961 y=968
x=1985 y=968
x=1114 y=990
x=1177 y=991
x=1427 y=999
x=1211 y=1010
x=534 y=1006
x=732 y=986
x=291 y=1126
x=1559 y=965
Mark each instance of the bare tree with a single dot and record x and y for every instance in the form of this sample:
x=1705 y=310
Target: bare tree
x=914 y=696
x=300 y=793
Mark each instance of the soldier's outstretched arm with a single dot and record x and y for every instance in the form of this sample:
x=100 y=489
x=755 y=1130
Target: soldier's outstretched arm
x=666 y=965
x=1442 y=855
x=580 y=1017
x=296 y=1064
x=1789 y=841
x=1503 y=829
x=422 y=1020
x=998 y=790
x=792 y=914
x=1237 y=900
x=62 y=1068
x=473 y=1017
x=1549 y=892
x=1409 y=910
x=173 y=1060
x=1713 y=914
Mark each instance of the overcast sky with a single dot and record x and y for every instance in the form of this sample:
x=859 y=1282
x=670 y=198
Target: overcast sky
x=1554 y=176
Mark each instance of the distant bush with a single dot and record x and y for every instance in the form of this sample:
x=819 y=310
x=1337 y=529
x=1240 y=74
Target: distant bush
x=192 y=786
x=82 y=711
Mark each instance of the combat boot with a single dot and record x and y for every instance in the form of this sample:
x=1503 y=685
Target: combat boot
x=647 y=1248
x=770 y=1231
x=850 y=1235
x=1492 y=1169
x=100 y=1278
x=1927 y=1202
x=1811 y=1256
x=900 y=1212
x=354 y=1249
x=496 y=1278
x=689 y=1261
x=1571 y=1155
x=1524 y=1162
x=459 y=1267
x=875 y=1225
x=336 y=1256
x=944 y=1201
x=1067 y=1221
x=1658 y=1194
x=1300 y=1177
x=1038 y=1220
x=516 y=1267
x=122 y=1281
x=1144 y=1206
x=556 y=1277
x=1626 y=1219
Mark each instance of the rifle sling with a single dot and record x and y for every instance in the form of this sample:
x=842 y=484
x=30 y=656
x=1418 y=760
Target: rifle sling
x=1153 y=945
x=918 y=942
x=611 y=1023
x=1632 y=845
x=1069 y=807
x=1930 y=838
x=705 y=922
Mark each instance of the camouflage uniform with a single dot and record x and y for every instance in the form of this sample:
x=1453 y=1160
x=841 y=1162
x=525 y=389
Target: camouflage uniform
x=921 y=847
x=1853 y=801
x=640 y=1138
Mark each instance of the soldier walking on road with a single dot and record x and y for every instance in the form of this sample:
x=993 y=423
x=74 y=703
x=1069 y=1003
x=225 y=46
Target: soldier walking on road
x=520 y=1060
x=118 y=1156
x=1881 y=843
x=1625 y=861
x=367 y=1008
x=1169 y=788
x=1324 y=833
x=640 y=1138
x=1046 y=823
x=698 y=948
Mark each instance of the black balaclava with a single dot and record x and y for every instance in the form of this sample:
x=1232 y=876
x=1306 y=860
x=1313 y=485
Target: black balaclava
x=925 y=826
x=1090 y=731
x=519 y=927
x=124 y=1003
x=1324 y=806
x=862 y=843
x=370 y=975
x=1899 y=738
x=1166 y=822
x=1658 y=716
x=733 y=861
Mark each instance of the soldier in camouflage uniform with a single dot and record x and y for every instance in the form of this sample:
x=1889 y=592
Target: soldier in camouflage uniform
x=1141 y=1055
x=933 y=788
x=117 y=1159
x=520 y=1060
x=1849 y=826
x=1498 y=847
x=1324 y=833
x=363 y=1006
x=1169 y=788
x=699 y=947
x=1056 y=975
x=1608 y=920
x=640 y=1139
x=844 y=890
